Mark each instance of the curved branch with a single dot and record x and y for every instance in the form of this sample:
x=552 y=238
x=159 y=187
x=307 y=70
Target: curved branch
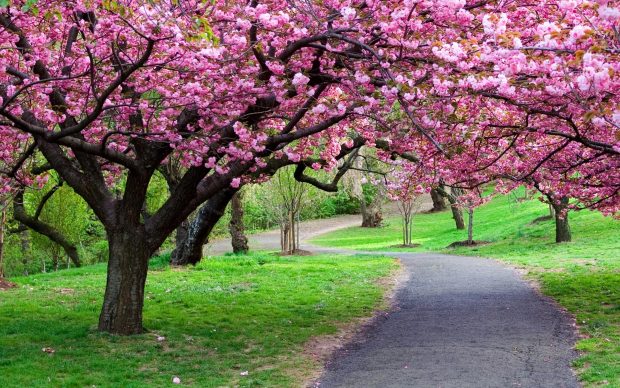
x=20 y=214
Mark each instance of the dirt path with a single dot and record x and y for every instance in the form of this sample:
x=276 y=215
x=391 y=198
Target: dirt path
x=271 y=240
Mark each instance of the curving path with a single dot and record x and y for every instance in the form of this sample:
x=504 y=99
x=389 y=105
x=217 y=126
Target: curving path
x=457 y=322
x=460 y=322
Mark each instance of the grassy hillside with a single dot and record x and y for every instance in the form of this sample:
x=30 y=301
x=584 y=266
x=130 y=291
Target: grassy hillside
x=227 y=316
x=583 y=276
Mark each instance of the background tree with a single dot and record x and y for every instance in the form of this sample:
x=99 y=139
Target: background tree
x=61 y=219
x=237 y=229
x=365 y=182
x=289 y=199
x=408 y=198
x=439 y=201
x=559 y=208
x=452 y=197
x=4 y=203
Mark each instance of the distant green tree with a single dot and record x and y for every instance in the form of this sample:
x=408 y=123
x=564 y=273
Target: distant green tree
x=66 y=217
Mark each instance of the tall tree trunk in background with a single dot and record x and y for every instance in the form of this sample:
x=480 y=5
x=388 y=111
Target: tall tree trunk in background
x=439 y=202
x=189 y=249
x=25 y=247
x=237 y=229
x=371 y=214
x=180 y=238
x=457 y=213
x=55 y=261
x=562 y=227
x=289 y=233
x=2 y=230
x=470 y=226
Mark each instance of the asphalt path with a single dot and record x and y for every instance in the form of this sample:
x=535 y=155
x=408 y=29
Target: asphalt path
x=457 y=322
x=460 y=322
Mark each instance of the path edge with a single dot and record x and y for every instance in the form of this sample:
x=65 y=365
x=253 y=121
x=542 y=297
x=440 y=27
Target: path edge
x=322 y=349
x=528 y=276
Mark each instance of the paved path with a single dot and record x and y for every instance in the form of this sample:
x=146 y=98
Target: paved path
x=458 y=322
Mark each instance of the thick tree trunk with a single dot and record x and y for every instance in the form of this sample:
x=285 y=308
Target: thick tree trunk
x=180 y=239
x=124 y=295
x=562 y=227
x=237 y=229
x=439 y=202
x=457 y=213
x=371 y=214
x=189 y=250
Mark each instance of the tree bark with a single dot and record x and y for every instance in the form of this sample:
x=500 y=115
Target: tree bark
x=371 y=214
x=237 y=229
x=457 y=213
x=189 y=250
x=562 y=227
x=182 y=234
x=439 y=202
x=2 y=230
x=124 y=295
x=25 y=248
x=470 y=226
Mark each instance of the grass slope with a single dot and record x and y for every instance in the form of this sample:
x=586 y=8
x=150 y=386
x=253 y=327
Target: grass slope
x=226 y=316
x=583 y=276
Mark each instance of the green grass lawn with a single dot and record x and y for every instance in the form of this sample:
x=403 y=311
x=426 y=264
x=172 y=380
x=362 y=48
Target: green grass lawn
x=224 y=317
x=583 y=276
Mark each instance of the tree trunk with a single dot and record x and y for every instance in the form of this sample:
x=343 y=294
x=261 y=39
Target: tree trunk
x=470 y=226
x=180 y=239
x=371 y=214
x=439 y=202
x=288 y=231
x=189 y=249
x=406 y=229
x=2 y=229
x=124 y=295
x=457 y=213
x=25 y=248
x=237 y=229
x=55 y=261
x=562 y=227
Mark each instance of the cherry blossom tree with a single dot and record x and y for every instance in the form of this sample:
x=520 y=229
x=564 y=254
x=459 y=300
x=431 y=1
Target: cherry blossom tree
x=106 y=91
x=407 y=195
